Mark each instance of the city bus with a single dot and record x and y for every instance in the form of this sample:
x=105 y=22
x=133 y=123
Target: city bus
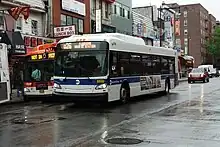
x=41 y=58
x=111 y=66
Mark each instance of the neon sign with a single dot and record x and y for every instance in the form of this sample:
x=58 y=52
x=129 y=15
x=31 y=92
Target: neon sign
x=43 y=56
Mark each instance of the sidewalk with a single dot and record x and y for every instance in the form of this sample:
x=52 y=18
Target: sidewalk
x=14 y=98
x=183 y=79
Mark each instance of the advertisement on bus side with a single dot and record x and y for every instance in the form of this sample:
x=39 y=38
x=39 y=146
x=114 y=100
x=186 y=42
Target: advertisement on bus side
x=150 y=82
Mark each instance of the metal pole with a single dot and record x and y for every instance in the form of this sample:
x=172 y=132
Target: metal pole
x=160 y=26
x=174 y=32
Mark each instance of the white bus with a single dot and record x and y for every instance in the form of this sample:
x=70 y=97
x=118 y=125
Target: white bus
x=112 y=66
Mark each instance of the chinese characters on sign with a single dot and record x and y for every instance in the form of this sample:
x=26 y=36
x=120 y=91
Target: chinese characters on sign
x=43 y=56
x=64 y=31
x=98 y=20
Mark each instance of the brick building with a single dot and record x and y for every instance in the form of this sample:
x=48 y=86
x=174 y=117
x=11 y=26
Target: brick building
x=70 y=13
x=195 y=29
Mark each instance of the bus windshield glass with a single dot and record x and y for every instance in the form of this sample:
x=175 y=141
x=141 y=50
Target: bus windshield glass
x=39 y=71
x=81 y=59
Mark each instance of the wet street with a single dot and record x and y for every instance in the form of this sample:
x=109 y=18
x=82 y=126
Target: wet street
x=189 y=116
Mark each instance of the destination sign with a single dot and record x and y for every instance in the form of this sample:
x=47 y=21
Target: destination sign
x=43 y=56
x=83 y=45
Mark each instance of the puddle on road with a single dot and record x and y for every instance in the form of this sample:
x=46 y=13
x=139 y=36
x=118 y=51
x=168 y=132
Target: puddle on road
x=35 y=120
x=124 y=141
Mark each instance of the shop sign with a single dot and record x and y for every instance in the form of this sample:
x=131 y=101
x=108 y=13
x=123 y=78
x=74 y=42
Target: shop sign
x=31 y=41
x=64 y=31
x=74 y=6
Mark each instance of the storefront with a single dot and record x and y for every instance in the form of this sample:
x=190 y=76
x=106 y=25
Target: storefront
x=143 y=27
x=16 y=47
x=105 y=28
x=185 y=63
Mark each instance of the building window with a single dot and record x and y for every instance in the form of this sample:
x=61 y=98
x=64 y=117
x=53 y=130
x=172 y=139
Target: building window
x=81 y=25
x=75 y=22
x=115 y=9
x=129 y=15
x=69 y=20
x=186 y=41
x=93 y=6
x=121 y=11
x=63 y=20
x=100 y=4
x=185 y=32
x=185 y=13
x=1 y=22
x=18 y=24
x=106 y=10
x=185 y=23
x=34 y=27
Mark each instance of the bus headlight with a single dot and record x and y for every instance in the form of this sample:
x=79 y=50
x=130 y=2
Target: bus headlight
x=57 y=86
x=102 y=86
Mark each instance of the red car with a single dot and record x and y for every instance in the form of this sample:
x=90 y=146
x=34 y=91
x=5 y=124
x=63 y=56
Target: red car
x=198 y=74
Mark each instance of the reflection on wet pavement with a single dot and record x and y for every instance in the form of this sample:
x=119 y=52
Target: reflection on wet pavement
x=188 y=116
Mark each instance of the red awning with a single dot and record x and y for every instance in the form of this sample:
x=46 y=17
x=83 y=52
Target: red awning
x=110 y=1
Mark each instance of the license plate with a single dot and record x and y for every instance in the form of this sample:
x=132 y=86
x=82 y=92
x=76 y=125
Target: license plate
x=41 y=91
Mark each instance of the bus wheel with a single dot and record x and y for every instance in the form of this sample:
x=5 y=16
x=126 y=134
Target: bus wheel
x=124 y=95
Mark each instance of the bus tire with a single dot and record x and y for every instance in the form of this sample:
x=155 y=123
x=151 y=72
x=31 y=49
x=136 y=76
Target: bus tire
x=124 y=94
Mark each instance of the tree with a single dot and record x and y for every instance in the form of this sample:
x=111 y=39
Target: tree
x=213 y=44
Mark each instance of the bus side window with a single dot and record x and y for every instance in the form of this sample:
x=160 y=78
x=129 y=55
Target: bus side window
x=164 y=65
x=124 y=63
x=114 y=67
x=147 y=64
x=156 y=65
x=171 y=65
x=136 y=66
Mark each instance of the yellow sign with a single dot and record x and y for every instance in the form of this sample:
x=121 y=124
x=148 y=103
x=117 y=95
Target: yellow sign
x=100 y=81
x=40 y=57
x=51 y=55
x=34 y=57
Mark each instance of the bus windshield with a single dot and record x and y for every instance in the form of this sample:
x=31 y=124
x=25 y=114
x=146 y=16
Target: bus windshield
x=87 y=63
x=45 y=70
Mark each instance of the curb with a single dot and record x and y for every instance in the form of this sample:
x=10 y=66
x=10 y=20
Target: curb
x=12 y=102
x=180 y=81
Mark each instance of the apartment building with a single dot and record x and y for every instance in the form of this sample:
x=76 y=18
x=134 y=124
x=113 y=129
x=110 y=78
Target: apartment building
x=194 y=31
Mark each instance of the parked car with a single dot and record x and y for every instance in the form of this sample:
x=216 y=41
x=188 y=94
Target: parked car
x=198 y=74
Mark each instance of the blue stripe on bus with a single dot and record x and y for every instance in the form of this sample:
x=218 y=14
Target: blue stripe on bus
x=73 y=81
x=113 y=81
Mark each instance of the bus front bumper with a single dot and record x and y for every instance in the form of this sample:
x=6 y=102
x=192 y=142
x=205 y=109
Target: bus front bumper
x=82 y=96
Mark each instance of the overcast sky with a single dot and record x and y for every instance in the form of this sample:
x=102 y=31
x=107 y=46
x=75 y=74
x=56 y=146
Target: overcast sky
x=213 y=6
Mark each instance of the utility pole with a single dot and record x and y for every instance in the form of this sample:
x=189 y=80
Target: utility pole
x=160 y=20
